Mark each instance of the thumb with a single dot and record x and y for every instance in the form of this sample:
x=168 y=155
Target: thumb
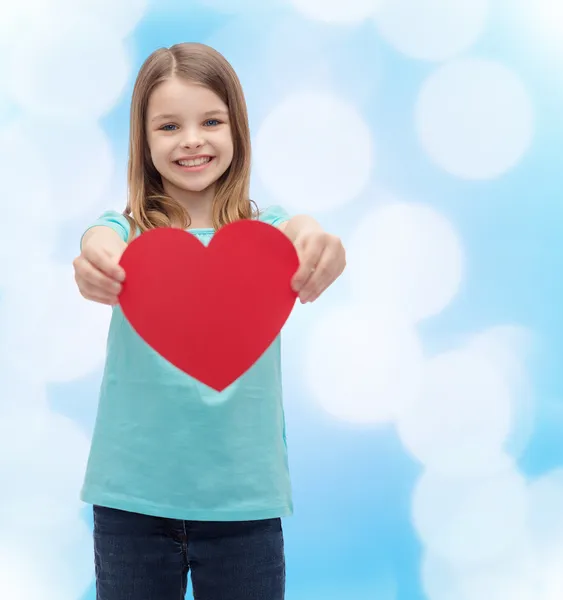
x=114 y=254
x=115 y=251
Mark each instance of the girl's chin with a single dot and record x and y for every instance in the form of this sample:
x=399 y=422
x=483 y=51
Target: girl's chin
x=193 y=187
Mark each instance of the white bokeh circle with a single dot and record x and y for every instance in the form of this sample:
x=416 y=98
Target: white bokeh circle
x=508 y=348
x=55 y=452
x=546 y=17
x=470 y=521
x=439 y=579
x=42 y=460
x=514 y=576
x=552 y=577
x=50 y=333
x=79 y=161
x=314 y=152
x=23 y=410
x=545 y=518
x=363 y=367
x=507 y=345
x=62 y=564
x=74 y=71
x=518 y=575
x=122 y=16
x=463 y=417
x=433 y=30
x=474 y=118
x=26 y=199
x=241 y=6
x=16 y=17
x=513 y=581
x=337 y=11
x=408 y=256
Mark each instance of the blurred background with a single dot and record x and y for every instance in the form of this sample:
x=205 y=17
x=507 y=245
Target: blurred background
x=424 y=391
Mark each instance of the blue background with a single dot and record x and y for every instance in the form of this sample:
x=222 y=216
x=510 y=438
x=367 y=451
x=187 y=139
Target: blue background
x=356 y=533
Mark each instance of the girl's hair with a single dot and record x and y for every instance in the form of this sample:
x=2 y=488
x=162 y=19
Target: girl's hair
x=148 y=206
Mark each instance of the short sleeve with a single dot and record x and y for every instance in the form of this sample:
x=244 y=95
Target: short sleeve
x=113 y=220
x=274 y=215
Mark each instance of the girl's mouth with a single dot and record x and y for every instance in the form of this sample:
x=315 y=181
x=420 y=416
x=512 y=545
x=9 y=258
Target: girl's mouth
x=195 y=164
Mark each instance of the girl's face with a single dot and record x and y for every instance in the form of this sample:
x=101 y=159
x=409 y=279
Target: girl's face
x=189 y=136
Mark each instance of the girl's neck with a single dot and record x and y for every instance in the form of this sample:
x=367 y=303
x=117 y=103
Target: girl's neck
x=199 y=205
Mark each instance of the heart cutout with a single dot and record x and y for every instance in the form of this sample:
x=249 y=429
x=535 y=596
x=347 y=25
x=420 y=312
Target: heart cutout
x=210 y=311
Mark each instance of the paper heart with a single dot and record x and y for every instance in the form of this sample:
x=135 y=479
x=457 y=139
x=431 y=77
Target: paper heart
x=210 y=311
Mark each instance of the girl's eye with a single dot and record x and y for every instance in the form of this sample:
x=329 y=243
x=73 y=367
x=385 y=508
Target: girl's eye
x=165 y=127
x=212 y=123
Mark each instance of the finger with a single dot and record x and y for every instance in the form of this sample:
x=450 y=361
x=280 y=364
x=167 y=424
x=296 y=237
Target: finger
x=88 y=275
x=309 y=257
x=313 y=296
x=106 y=262
x=108 y=300
x=313 y=287
x=325 y=274
x=94 y=296
x=319 y=291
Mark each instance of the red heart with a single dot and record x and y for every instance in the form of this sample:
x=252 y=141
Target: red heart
x=211 y=312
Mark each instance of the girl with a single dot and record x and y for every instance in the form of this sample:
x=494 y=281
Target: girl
x=182 y=478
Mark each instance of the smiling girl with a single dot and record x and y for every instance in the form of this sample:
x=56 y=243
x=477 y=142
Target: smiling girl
x=181 y=479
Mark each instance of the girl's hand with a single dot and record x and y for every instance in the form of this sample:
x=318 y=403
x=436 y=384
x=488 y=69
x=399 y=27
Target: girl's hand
x=97 y=271
x=322 y=260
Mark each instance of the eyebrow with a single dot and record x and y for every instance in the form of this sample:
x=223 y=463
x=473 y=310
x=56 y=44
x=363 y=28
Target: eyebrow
x=209 y=113
x=218 y=111
x=159 y=117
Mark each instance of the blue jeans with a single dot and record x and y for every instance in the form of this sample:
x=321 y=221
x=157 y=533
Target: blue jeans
x=139 y=557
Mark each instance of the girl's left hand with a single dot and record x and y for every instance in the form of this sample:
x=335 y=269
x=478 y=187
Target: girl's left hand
x=322 y=260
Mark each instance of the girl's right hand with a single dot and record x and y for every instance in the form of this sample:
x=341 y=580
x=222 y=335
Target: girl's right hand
x=97 y=271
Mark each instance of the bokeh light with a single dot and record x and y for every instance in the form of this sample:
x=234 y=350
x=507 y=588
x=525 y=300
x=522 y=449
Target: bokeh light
x=423 y=390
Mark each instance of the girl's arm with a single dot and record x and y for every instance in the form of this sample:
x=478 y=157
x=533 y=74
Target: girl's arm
x=297 y=224
x=103 y=236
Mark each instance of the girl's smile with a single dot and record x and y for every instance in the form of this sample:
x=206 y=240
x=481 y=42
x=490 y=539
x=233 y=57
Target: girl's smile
x=195 y=164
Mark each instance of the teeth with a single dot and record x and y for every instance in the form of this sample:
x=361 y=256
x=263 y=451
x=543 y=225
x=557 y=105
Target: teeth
x=194 y=163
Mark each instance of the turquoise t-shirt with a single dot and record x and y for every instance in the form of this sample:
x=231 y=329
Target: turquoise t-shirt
x=166 y=445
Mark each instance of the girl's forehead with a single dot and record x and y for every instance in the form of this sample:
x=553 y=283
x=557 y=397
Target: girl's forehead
x=182 y=95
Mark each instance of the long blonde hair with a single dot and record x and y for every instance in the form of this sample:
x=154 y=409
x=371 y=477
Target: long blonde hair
x=148 y=206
